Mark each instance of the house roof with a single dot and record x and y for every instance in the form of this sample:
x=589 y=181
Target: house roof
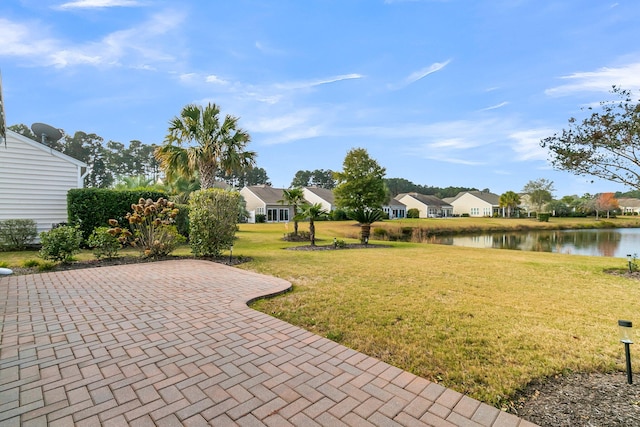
x=396 y=202
x=492 y=199
x=268 y=195
x=629 y=202
x=426 y=199
x=324 y=193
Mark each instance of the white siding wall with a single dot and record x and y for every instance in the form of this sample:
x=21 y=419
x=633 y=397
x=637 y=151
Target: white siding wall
x=34 y=183
x=253 y=204
x=312 y=198
x=470 y=204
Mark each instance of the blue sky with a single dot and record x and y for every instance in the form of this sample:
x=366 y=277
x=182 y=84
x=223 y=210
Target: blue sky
x=439 y=92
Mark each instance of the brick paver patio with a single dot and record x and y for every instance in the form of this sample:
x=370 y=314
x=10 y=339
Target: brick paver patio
x=173 y=343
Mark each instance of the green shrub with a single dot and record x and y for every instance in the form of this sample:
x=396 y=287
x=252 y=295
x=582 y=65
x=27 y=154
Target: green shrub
x=543 y=217
x=60 y=244
x=4 y=264
x=380 y=233
x=212 y=220
x=338 y=215
x=16 y=234
x=261 y=218
x=90 y=208
x=465 y=215
x=46 y=266
x=181 y=220
x=31 y=263
x=151 y=222
x=413 y=213
x=341 y=244
x=104 y=243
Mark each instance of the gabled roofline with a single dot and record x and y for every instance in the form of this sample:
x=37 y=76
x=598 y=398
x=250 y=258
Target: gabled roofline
x=45 y=149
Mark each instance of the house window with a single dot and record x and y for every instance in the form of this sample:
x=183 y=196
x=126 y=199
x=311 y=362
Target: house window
x=277 y=215
x=475 y=211
x=487 y=211
x=260 y=210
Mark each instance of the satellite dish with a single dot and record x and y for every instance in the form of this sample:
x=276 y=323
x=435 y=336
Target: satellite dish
x=46 y=133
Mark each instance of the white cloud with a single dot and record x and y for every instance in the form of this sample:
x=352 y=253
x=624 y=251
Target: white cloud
x=495 y=107
x=135 y=47
x=527 y=145
x=318 y=82
x=601 y=80
x=216 y=80
x=98 y=4
x=420 y=74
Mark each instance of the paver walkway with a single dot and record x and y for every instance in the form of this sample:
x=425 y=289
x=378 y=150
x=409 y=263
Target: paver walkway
x=173 y=343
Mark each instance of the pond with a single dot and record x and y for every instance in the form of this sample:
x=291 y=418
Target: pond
x=610 y=242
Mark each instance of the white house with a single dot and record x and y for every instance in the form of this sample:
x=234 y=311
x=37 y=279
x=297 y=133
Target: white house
x=395 y=209
x=629 y=205
x=267 y=201
x=475 y=203
x=34 y=181
x=428 y=206
x=323 y=196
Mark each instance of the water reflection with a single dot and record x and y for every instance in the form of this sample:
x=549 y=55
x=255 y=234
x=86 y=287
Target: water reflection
x=609 y=243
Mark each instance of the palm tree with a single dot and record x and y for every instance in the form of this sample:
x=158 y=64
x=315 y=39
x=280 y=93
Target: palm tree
x=198 y=143
x=509 y=200
x=365 y=218
x=312 y=213
x=134 y=182
x=295 y=198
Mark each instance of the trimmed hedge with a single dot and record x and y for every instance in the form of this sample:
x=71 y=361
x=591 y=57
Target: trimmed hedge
x=90 y=208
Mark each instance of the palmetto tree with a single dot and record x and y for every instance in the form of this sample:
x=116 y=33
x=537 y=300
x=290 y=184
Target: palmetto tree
x=509 y=200
x=295 y=198
x=365 y=218
x=199 y=144
x=312 y=213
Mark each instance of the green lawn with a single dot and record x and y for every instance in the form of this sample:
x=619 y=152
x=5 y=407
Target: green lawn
x=484 y=322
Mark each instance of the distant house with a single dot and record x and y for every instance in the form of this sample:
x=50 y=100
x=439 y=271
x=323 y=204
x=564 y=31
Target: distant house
x=323 y=196
x=629 y=205
x=395 y=209
x=428 y=206
x=475 y=203
x=34 y=181
x=265 y=200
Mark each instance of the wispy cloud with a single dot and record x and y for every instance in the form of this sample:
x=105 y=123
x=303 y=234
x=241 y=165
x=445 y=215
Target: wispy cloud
x=216 y=80
x=136 y=47
x=420 y=74
x=495 y=107
x=318 y=82
x=97 y=4
x=527 y=144
x=601 y=80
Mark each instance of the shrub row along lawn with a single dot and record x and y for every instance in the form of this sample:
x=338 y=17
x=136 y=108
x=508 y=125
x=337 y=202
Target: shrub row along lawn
x=484 y=322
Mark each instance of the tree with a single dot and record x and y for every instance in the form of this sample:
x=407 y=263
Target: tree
x=312 y=213
x=361 y=183
x=198 y=143
x=318 y=178
x=604 y=145
x=212 y=220
x=606 y=202
x=540 y=192
x=365 y=217
x=509 y=200
x=245 y=177
x=295 y=198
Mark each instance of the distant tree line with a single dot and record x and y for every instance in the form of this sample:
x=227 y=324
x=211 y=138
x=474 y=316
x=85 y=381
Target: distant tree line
x=400 y=185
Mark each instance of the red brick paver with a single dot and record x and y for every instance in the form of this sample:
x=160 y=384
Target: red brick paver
x=174 y=343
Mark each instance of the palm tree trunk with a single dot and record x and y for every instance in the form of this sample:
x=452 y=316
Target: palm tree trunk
x=365 y=231
x=207 y=176
x=312 y=232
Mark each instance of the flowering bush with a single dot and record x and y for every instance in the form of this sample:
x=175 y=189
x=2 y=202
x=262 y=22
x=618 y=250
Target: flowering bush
x=151 y=229
x=104 y=243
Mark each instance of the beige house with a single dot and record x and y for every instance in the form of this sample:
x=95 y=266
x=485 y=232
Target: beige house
x=323 y=196
x=475 y=204
x=428 y=206
x=34 y=181
x=629 y=205
x=267 y=201
x=395 y=209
